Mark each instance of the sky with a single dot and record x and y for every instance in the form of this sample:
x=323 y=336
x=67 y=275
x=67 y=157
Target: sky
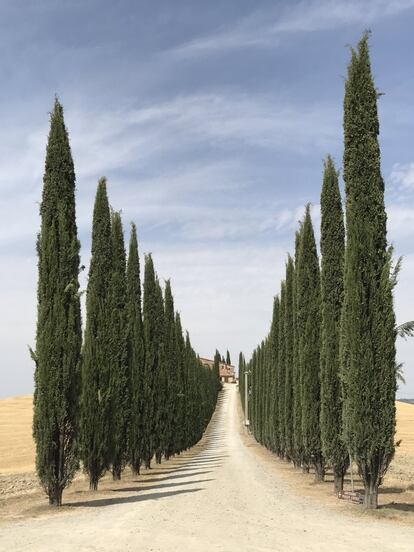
x=211 y=121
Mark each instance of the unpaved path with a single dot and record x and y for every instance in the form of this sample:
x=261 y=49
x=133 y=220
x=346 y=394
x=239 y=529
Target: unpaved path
x=224 y=499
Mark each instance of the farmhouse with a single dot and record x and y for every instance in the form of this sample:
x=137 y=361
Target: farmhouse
x=227 y=371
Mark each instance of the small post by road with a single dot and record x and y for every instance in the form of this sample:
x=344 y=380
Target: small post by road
x=246 y=399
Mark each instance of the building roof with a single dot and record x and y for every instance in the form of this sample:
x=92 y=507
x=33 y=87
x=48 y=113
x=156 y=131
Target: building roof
x=226 y=370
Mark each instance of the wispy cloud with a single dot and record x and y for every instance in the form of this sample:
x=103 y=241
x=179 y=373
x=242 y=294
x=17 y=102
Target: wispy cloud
x=402 y=176
x=265 y=28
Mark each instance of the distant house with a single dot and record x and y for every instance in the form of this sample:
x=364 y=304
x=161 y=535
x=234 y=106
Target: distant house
x=227 y=371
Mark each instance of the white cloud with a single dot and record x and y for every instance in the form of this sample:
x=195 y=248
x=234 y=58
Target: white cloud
x=265 y=28
x=402 y=176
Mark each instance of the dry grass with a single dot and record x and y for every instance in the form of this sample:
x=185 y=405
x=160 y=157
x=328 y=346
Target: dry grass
x=17 y=451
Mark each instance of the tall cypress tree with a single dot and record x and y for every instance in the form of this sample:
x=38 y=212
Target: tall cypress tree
x=368 y=322
x=171 y=372
x=160 y=382
x=309 y=321
x=119 y=377
x=135 y=354
x=274 y=388
x=97 y=351
x=241 y=380
x=281 y=371
x=150 y=435
x=289 y=350
x=59 y=334
x=228 y=360
x=181 y=435
x=216 y=369
x=332 y=251
x=297 y=393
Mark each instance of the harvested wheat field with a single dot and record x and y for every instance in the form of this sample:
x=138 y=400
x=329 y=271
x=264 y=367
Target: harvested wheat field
x=16 y=444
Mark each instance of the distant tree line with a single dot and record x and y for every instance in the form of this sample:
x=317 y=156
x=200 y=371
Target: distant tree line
x=133 y=389
x=323 y=382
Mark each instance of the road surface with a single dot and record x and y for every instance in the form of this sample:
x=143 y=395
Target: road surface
x=222 y=499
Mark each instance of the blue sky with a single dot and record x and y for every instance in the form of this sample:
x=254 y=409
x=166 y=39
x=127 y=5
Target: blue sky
x=211 y=121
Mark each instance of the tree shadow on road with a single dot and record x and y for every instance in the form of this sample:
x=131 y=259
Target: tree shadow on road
x=139 y=488
x=166 y=476
x=96 y=503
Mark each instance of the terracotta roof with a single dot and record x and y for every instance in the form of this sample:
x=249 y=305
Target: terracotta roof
x=226 y=370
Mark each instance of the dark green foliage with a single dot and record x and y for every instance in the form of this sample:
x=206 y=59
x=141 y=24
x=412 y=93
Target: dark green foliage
x=216 y=369
x=242 y=377
x=274 y=385
x=160 y=377
x=59 y=334
x=281 y=372
x=289 y=352
x=296 y=389
x=171 y=374
x=368 y=322
x=228 y=360
x=181 y=421
x=332 y=252
x=119 y=376
x=309 y=343
x=150 y=417
x=135 y=354
x=97 y=349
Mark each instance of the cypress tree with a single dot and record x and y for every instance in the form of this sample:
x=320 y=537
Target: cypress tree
x=241 y=379
x=332 y=252
x=97 y=351
x=274 y=388
x=228 y=360
x=190 y=391
x=296 y=389
x=59 y=334
x=119 y=377
x=160 y=380
x=309 y=321
x=172 y=366
x=289 y=351
x=281 y=372
x=150 y=435
x=216 y=369
x=368 y=324
x=180 y=433
x=135 y=354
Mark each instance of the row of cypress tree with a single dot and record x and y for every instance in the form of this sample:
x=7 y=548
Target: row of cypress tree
x=133 y=389
x=323 y=382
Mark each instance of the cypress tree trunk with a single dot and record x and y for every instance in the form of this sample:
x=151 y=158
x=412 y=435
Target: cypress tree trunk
x=367 y=346
x=59 y=334
x=332 y=251
x=119 y=377
x=309 y=316
x=136 y=354
x=97 y=349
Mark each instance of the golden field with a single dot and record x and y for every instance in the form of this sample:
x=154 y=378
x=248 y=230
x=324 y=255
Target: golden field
x=17 y=447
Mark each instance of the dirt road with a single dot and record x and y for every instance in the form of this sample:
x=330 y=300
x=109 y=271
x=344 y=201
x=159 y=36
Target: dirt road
x=223 y=499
